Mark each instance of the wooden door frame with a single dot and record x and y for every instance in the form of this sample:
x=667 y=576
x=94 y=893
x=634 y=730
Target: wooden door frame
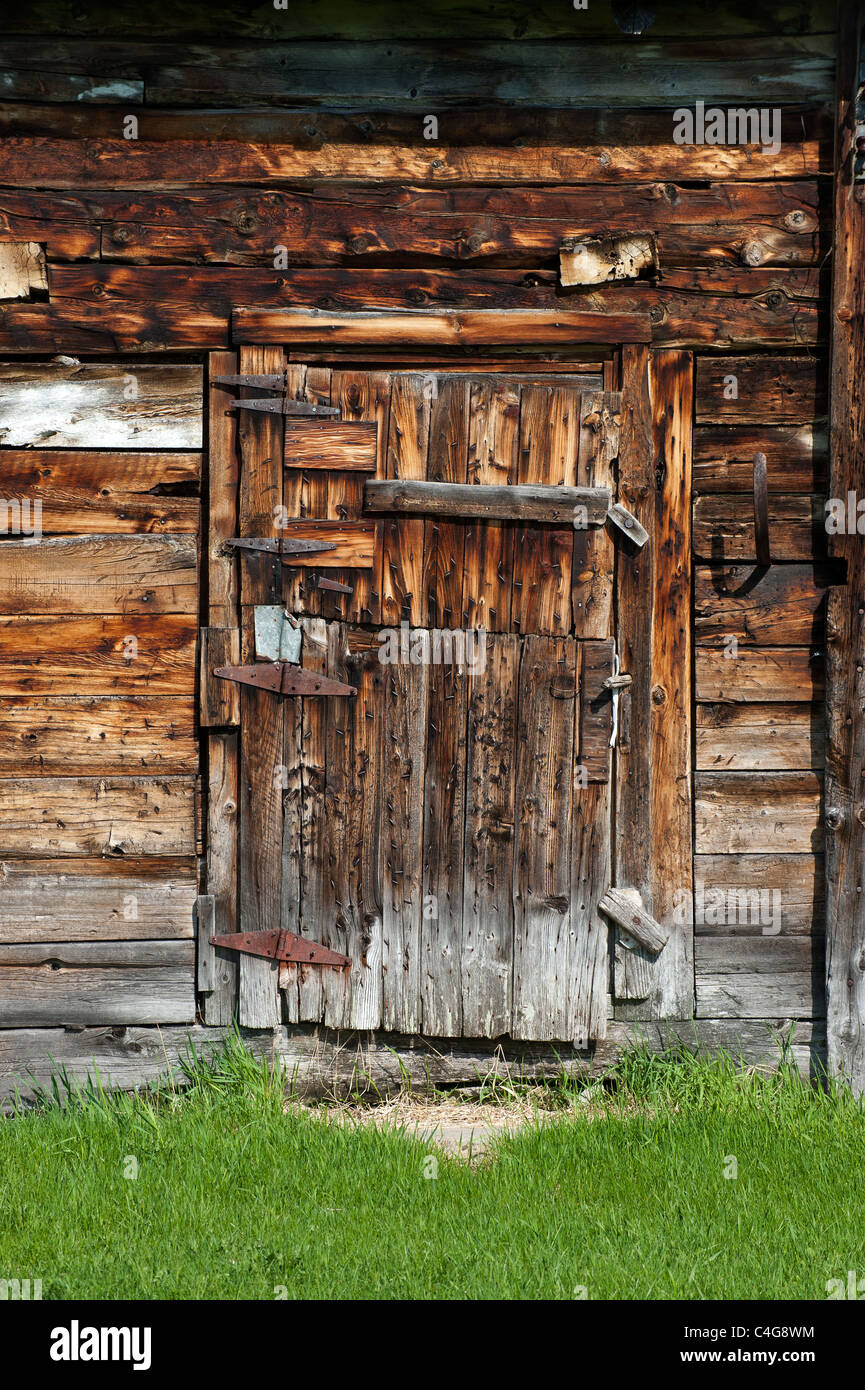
x=653 y=791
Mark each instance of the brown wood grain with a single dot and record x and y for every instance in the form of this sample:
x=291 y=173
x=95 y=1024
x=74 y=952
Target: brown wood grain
x=783 y=605
x=70 y=735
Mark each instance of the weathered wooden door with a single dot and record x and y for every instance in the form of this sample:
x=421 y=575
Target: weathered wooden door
x=449 y=828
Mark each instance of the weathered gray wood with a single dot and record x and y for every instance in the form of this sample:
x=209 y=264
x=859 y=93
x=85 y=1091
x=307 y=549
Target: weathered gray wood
x=591 y=868
x=402 y=769
x=759 y=738
x=219 y=700
x=22 y=269
x=223 y=797
x=736 y=893
x=488 y=912
x=596 y=709
x=443 y=850
x=122 y=406
x=543 y=930
x=593 y=569
x=625 y=907
x=758 y=813
x=95 y=900
x=314 y=870
x=97 y=954
x=627 y=524
x=91 y=816
x=509 y=503
x=82 y=994
x=759 y=977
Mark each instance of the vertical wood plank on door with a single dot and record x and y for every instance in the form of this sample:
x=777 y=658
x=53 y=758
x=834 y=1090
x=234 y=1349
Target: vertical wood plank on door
x=549 y=435
x=222 y=967
x=352 y=921
x=443 y=849
x=591 y=865
x=313 y=773
x=402 y=773
x=594 y=557
x=261 y=816
x=494 y=410
x=671 y=384
x=360 y=396
x=635 y=617
x=488 y=910
x=542 y=869
x=444 y=541
x=403 y=537
x=291 y=783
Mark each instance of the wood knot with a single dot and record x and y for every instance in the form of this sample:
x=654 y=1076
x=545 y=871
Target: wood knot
x=834 y=818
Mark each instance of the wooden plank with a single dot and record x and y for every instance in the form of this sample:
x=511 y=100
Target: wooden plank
x=738 y=894
x=85 y=492
x=594 y=555
x=348 y=445
x=97 y=953
x=763 y=675
x=444 y=542
x=759 y=738
x=508 y=148
x=109 y=406
x=91 y=816
x=403 y=540
x=542 y=978
x=494 y=409
x=549 y=436
x=591 y=871
x=783 y=605
x=218 y=968
x=444 y=813
x=261 y=720
x=795 y=457
x=671 y=383
x=22 y=269
x=219 y=700
x=314 y=869
x=305 y=493
x=724 y=528
x=760 y=390
x=362 y=396
x=436 y=329
x=759 y=977
x=845 y=663
x=758 y=813
x=356 y=833
x=83 y=326
x=95 y=900
x=402 y=797
x=635 y=620
x=101 y=574
x=529 y=502
x=222 y=488
x=624 y=906
x=81 y=994
x=99 y=656
x=596 y=709
x=72 y=735
x=488 y=912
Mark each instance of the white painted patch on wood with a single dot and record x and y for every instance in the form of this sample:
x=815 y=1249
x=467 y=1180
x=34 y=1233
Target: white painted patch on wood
x=593 y=261
x=22 y=269
x=102 y=406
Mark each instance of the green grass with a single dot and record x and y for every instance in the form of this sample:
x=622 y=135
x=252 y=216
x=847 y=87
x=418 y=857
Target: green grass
x=625 y=1196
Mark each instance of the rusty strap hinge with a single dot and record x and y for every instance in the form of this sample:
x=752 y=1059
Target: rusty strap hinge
x=281 y=405
x=280 y=945
x=283 y=547
x=283 y=678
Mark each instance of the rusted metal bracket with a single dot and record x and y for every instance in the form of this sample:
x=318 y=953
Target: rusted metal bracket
x=280 y=945
x=274 y=381
x=761 y=511
x=318 y=581
x=281 y=405
x=282 y=678
x=283 y=547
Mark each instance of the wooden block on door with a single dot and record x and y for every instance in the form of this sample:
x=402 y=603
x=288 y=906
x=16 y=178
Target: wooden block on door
x=354 y=544
x=220 y=699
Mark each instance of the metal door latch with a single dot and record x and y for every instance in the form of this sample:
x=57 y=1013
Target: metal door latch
x=615 y=683
x=284 y=547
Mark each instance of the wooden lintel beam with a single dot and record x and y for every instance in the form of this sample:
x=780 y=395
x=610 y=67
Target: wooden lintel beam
x=434 y=328
x=569 y=506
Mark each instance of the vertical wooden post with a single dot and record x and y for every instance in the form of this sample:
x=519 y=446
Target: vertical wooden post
x=653 y=784
x=845 y=647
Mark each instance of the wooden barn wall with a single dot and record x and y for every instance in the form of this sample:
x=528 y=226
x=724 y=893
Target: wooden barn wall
x=150 y=187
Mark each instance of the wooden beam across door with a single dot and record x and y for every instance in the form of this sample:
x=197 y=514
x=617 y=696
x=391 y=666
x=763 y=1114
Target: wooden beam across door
x=437 y=328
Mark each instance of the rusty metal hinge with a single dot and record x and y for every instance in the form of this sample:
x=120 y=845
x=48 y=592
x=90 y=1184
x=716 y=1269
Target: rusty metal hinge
x=281 y=945
x=281 y=405
x=283 y=678
x=282 y=547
